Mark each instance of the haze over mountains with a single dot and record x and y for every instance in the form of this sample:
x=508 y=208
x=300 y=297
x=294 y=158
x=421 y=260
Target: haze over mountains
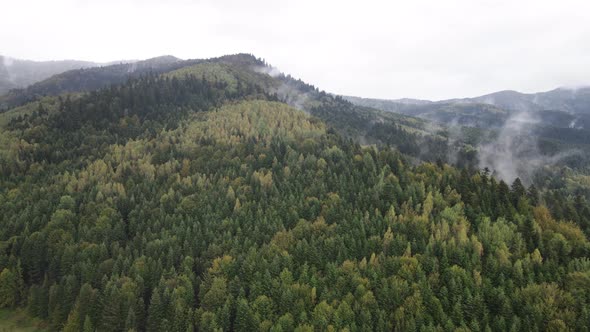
x=494 y=108
x=37 y=78
x=17 y=73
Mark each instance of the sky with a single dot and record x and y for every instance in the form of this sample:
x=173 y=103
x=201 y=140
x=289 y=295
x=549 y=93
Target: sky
x=382 y=49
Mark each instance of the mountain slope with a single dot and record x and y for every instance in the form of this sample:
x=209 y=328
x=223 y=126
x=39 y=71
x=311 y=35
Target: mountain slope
x=202 y=202
x=244 y=73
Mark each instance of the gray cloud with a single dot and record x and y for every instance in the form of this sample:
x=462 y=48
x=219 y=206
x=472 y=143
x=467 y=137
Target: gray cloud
x=386 y=49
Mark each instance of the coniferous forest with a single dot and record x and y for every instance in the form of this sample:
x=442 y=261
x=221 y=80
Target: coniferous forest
x=215 y=197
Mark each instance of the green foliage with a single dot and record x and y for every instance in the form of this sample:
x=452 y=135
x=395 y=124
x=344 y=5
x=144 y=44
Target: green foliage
x=182 y=204
x=10 y=288
x=18 y=320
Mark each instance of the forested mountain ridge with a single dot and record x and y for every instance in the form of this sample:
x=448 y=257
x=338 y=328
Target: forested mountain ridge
x=199 y=200
x=411 y=135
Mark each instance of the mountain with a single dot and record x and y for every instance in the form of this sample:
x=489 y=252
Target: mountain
x=17 y=73
x=562 y=108
x=493 y=109
x=220 y=195
x=431 y=140
x=458 y=112
x=409 y=134
x=571 y=100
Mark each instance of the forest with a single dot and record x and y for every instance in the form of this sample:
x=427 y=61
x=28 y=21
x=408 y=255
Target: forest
x=194 y=201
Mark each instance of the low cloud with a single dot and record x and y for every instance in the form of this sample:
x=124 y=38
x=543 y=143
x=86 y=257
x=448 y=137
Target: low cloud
x=515 y=153
x=271 y=71
x=7 y=61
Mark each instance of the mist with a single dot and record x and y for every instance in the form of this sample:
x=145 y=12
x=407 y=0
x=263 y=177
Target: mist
x=513 y=152
x=7 y=62
x=286 y=91
x=268 y=70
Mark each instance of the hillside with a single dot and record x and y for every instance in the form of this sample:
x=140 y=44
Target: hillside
x=211 y=195
x=409 y=134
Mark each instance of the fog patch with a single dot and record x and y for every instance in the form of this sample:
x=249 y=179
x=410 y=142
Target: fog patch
x=454 y=138
x=574 y=124
x=287 y=93
x=514 y=153
x=268 y=70
x=7 y=61
x=132 y=68
x=291 y=96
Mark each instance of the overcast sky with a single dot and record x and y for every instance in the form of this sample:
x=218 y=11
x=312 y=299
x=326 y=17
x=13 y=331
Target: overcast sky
x=386 y=49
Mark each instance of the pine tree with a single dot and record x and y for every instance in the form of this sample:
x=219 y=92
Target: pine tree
x=73 y=323
x=245 y=319
x=130 y=321
x=88 y=327
x=9 y=289
x=156 y=312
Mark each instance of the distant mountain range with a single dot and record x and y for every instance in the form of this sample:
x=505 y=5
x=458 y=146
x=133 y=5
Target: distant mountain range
x=17 y=73
x=562 y=107
x=573 y=100
x=576 y=101
x=76 y=76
